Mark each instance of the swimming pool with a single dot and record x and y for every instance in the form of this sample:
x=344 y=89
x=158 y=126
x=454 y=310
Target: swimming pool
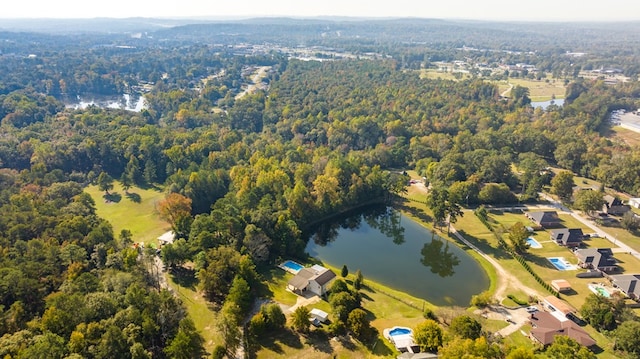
x=399 y=331
x=599 y=290
x=291 y=266
x=561 y=264
x=533 y=243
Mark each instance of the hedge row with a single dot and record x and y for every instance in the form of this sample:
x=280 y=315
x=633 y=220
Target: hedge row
x=515 y=255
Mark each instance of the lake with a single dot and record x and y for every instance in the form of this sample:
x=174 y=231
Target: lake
x=395 y=251
x=125 y=102
x=544 y=104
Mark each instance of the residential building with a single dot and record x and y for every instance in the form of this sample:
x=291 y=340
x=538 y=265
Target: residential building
x=544 y=219
x=315 y=279
x=597 y=258
x=545 y=327
x=629 y=284
x=614 y=206
x=568 y=237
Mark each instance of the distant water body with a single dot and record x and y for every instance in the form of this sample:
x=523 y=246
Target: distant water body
x=544 y=104
x=127 y=102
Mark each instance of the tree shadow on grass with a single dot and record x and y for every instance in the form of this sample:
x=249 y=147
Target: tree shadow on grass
x=114 y=197
x=319 y=340
x=184 y=277
x=483 y=245
x=381 y=349
x=279 y=338
x=133 y=197
x=539 y=261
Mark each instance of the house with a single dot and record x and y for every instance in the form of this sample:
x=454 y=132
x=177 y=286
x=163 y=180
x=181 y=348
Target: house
x=597 y=258
x=629 y=284
x=315 y=279
x=561 y=285
x=568 y=237
x=546 y=326
x=614 y=206
x=634 y=202
x=558 y=307
x=544 y=219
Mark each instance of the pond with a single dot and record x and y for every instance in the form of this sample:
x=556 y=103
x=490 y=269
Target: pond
x=127 y=102
x=544 y=104
x=395 y=251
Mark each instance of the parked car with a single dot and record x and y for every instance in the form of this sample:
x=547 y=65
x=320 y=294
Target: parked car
x=532 y=309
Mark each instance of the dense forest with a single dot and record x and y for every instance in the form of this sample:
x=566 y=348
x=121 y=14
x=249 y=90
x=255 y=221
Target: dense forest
x=245 y=176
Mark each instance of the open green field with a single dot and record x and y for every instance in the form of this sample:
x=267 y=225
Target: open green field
x=441 y=75
x=539 y=90
x=629 y=137
x=135 y=211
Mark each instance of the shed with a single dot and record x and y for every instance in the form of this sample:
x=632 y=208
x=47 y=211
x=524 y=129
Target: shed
x=166 y=238
x=321 y=315
x=561 y=285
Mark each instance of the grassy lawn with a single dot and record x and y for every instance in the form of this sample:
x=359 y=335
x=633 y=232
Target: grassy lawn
x=623 y=235
x=135 y=211
x=200 y=311
x=539 y=90
x=629 y=137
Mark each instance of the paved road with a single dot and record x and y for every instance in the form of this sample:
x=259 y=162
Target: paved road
x=602 y=233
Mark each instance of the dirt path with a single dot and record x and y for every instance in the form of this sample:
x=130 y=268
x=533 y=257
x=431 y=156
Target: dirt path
x=506 y=280
x=505 y=92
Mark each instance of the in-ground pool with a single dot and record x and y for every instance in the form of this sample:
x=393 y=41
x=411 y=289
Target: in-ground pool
x=599 y=290
x=561 y=264
x=533 y=243
x=399 y=331
x=291 y=266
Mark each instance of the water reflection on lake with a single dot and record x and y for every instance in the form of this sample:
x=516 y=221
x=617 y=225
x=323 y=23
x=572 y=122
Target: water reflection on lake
x=393 y=250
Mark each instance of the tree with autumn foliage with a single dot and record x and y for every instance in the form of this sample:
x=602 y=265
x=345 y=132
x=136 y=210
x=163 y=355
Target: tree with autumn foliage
x=176 y=209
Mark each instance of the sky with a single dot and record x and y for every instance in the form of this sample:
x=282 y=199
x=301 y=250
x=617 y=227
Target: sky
x=535 y=10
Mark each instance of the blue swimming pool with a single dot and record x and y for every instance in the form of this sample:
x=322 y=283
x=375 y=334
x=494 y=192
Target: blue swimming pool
x=399 y=331
x=291 y=266
x=561 y=264
x=533 y=243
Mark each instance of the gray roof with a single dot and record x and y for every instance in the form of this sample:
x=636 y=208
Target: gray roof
x=325 y=277
x=544 y=217
x=628 y=283
x=568 y=235
x=301 y=279
x=598 y=257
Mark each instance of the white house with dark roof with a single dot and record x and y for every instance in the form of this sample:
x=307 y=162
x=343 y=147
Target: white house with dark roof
x=315 y=279
x=597 y=258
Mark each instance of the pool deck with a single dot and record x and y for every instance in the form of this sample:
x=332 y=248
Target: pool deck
x=565 y=263
x=289 y=269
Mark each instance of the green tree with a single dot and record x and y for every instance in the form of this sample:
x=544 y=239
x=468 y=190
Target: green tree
x=345 y=271
x=469 y=348
x=240 y=295
x=465 y=327
x=359 y=325
x=602 y=313
x=187 y=344
x=521 y=353
x=428 y=335
x=229 y=332
x=126 y=182
x=46 y=346
x=562 y=185
x=630 y=222
x=300 y=319
x=518 y=235
x=627 y=338
x=275 y=317
x=105 y=182
x=359 y=280
x=564 y=347
x=589 y=201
